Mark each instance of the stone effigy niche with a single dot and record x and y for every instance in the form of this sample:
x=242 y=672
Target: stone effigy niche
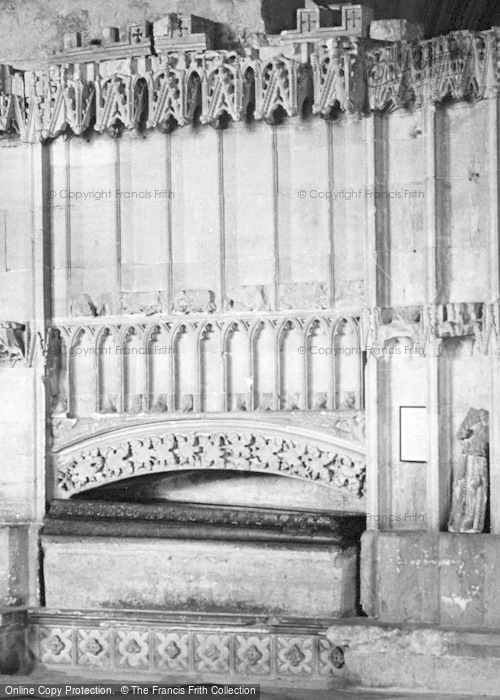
x=471 y=476
x=115 y=512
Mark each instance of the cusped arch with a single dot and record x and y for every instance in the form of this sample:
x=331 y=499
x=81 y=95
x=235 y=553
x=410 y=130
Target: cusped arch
x=257 y=326
x=74 y=337
x=100 y=334
x=230 y=327
x=151 y=330
x=130 y=329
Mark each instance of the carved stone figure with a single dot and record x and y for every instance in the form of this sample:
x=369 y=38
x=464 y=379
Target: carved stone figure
x=109 y=404
x=351 y=291
x=194 y=301
x=265 y=402
x=306 y=295
x=134 y=403
x=11 y=343
x=108 y=304
x=187 y=403
x=144 y=303
x=390 y=324
x=320 y=401
x=82 y=305
x=291 y=402
x=247 y=298
x=161 y=404
x=470 y=480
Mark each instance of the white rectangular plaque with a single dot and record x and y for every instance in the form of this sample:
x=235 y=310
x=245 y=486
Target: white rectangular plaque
x=414 y=441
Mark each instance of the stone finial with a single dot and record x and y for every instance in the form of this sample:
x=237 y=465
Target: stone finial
x=111 y=35
x=172 y=26
x=138 y=33
x=308 y=20
x=177 y=31
x=318 y=23
x=5 y=78
x=72 y=40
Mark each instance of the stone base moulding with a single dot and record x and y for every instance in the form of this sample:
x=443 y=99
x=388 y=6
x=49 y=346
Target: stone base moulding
x=227 y=648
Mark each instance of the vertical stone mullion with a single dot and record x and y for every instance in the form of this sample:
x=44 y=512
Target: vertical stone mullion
x=494 y=289
x=372 y=427
x=436 y=507
x=41 y=289
x=169 y=271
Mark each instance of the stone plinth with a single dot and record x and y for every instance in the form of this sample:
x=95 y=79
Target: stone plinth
x=251 y=649
x=449 y=578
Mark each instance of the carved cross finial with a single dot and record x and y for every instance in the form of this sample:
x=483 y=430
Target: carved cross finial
x=353 y=18
x=318 y=21
x=139 y=33
x=176 y=31
x=308 y=20
x=136 y=35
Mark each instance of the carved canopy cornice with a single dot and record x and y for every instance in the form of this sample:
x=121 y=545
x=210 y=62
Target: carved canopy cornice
x=169 y=80
x=242 y=445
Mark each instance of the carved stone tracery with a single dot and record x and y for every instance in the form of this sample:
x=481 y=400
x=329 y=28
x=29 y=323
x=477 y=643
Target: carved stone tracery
x=459 y=66
x=237 y=451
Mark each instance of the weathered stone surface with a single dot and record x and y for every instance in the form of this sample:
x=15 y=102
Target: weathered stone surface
x=408 y=563
x=368 y=572
x=17 y=430
x=14 y=567
x=449 y=579
x=429 y=660
x=212 y=577
x=14 y=652
x=396 y=30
